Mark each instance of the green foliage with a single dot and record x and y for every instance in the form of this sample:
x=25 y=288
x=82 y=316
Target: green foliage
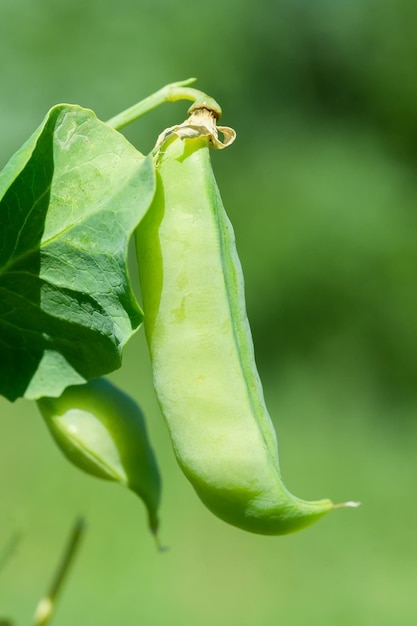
x=320 y=187
x=70 y=198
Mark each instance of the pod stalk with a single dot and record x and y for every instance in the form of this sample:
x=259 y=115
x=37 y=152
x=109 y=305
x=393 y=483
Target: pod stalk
x=170 y=93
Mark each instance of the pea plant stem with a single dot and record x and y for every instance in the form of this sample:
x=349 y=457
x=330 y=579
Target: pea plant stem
x=47 y=604
x=9 y=549
x=170 y=93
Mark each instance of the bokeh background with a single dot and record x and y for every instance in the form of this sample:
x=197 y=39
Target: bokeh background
x=321 y=188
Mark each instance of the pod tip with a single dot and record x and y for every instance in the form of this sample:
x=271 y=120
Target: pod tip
x=351 y=504
x=159 y=546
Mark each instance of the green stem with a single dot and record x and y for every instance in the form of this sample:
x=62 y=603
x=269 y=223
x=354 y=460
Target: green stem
x=9 y=549
x=46 y=606
x=169 y=93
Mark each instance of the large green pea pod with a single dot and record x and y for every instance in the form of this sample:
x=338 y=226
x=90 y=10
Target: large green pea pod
x=102 y=430
x=200 y=342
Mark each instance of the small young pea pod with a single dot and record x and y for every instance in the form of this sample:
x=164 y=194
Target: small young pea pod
x=200 y=342
x=102 y=430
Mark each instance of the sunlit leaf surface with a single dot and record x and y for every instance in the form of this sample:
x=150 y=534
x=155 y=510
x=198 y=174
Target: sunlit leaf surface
x=70 y=198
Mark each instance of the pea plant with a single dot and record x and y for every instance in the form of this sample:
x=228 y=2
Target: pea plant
x=70 y=200
x=45 y=608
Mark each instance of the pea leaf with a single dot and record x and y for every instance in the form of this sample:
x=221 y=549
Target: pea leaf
x=69 y=200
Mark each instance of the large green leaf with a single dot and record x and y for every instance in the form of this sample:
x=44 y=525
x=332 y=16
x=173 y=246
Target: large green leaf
x=69 y=200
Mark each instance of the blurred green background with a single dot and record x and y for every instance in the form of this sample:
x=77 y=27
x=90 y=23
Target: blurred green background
x=321 y=189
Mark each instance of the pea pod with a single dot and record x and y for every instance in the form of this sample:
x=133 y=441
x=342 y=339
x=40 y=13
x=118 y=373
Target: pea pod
x=101 y=430
x=200 y=342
